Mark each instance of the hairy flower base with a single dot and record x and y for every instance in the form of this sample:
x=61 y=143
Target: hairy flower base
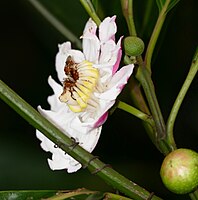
x=79 y=84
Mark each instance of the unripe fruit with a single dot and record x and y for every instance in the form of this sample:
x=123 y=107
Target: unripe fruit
x=179 y=171
x=133 y=46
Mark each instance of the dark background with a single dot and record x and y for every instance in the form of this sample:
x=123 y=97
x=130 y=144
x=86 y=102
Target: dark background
x=28 y=49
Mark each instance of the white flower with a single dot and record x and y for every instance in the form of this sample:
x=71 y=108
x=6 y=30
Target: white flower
x=90 y=85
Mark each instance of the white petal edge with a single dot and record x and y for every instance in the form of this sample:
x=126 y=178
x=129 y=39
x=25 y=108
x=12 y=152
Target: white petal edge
x=90 y=42
x=55 y=104
x=65 y=51
x=61 y=119
x=117 y=83
x=107 y=29
x=59 y=160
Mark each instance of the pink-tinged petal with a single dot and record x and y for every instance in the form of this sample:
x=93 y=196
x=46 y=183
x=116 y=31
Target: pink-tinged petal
x=109 y=59
x=101 y=120
x=119 y=55
x=105 y=105
x=107 y=29
x=98 y=118
x=90 y=42
x=117 y=82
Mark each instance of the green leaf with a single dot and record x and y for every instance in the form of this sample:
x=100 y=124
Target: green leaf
x=161 y=4
x=79 y=194
x=26 y=194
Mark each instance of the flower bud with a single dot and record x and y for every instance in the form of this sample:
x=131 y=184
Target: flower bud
x=133 y=46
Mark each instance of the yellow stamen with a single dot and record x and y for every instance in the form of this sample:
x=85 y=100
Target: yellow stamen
x=80 y=82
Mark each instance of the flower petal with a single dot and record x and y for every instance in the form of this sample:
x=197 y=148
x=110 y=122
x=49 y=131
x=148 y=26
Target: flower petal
x=85 y=126
x=101 y=120
x=55 y=105
x=61 y=58
x=59 y=160
x=108 y=97
x=119 y=55
x=90 y=43
x=62 y=120
x=117 y=83
x=108 y=53
x=65 y=51
x=107 y=29
x=109 y=59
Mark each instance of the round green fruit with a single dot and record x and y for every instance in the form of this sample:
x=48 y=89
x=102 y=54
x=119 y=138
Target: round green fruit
x=133 y=46
x=179 y=171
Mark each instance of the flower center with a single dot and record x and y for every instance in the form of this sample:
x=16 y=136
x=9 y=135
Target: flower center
x=79 y=84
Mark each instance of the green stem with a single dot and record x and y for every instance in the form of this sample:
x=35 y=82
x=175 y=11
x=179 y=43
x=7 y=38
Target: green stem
x=135 y=87
x=144 y=76
x=56 y=23
x=98 y=8
x=111 y=196
x=70 y=195
x=127 y=9
x=134 y=111
x=172 y=117
x=155 y=35
x=194 y=195
x=91 y=11
x=64 y=142
x=139 y=102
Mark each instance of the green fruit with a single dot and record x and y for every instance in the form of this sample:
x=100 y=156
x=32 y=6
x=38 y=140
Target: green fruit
x=133 y=46
x=179 y=171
